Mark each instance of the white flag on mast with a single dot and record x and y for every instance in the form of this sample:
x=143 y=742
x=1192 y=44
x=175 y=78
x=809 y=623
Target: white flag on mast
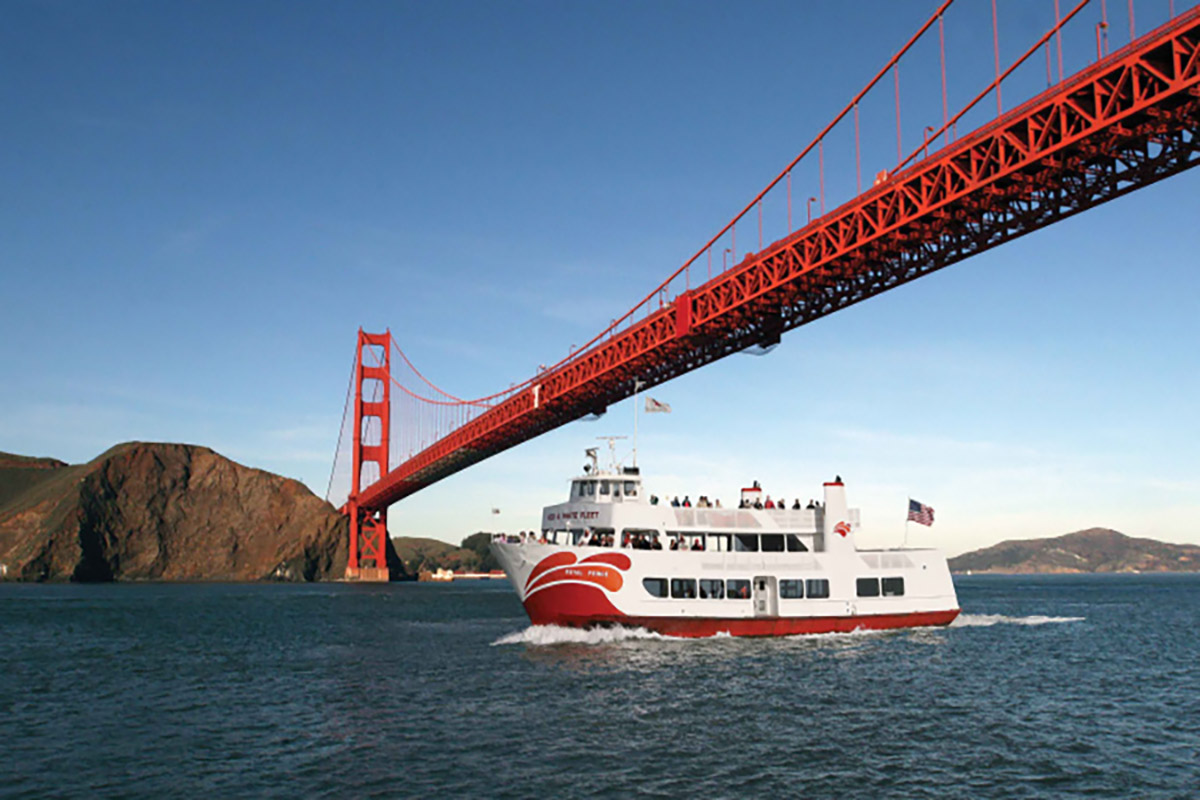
x=655 y=406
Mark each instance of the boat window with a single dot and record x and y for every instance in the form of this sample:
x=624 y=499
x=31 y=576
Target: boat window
x=580 y=537
x=578 y=488
x=604 y=488
x=893 y=587
x=772 y=542
x=816 y=588
x=616 y=487
x=795 y=544
x=591 y=488
x=712 y=589
x=696 y=541
x=745 y=542
x=683 y=588
x=657 y=587
x=718 y=542
x=630 y=489
x=868 y=587
x=738 y=589
x=638 y=538
x=791 y=590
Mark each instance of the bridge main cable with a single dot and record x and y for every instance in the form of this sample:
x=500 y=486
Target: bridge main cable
x=1053 y=156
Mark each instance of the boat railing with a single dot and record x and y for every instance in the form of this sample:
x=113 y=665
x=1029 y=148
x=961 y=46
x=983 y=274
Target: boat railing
x=745 y=518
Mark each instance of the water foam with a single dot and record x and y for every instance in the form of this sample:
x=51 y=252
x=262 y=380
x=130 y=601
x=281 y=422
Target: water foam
x=988 y=620
x=541 y=635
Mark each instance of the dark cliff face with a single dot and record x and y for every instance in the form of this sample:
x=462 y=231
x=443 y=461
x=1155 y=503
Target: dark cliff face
x=164 y=512
x=1093 y=550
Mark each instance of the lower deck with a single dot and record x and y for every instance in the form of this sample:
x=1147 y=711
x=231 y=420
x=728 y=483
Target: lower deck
x=750 y=594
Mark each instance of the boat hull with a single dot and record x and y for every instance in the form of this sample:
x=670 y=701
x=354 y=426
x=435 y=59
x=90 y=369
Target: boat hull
x=575 y=606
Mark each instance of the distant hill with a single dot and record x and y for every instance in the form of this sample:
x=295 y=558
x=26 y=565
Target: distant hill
x=151 y=511
x=1093 y=550
x=429 y=555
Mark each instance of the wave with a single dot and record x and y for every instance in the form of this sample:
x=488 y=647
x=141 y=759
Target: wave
x=988 y=620
x=540 y=635
x=545 y=635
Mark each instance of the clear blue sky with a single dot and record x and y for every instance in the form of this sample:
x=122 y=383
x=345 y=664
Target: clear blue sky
x=202 y=202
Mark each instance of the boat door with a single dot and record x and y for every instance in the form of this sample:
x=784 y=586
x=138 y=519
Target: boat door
x=766 y=602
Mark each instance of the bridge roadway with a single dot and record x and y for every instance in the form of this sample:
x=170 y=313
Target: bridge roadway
x=1129 y=120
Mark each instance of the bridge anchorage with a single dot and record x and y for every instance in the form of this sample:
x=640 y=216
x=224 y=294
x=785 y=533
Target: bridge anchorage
x=1122 y=122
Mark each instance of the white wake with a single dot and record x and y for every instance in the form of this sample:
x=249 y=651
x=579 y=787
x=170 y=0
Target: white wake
x=539 y=635
x=988 y=620
x=544 y=635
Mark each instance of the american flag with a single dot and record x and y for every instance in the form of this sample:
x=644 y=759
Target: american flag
x=919 y=512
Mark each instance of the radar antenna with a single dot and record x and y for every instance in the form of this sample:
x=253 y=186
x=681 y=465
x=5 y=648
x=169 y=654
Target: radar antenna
x=615 y=465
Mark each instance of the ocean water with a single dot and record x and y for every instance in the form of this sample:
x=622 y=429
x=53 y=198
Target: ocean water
x=1047 y=687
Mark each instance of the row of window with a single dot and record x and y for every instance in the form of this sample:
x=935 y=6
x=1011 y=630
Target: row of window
x=650 y=539
x=588 y=488
x=789 y=588
x=732 y=589
x=870 y=587
x=813 y=588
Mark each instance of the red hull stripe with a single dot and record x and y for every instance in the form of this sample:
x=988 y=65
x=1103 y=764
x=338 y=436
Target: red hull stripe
x=549 y=563
x=579 y=606
x=693 y=627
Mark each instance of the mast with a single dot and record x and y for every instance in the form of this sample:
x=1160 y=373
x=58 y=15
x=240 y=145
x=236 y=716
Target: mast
x=637 y=384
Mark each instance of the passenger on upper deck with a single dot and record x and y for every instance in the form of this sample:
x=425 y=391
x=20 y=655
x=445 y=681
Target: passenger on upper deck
x=758 y=504
x=770 y=503
x=675 y=501
x=686 y=502
x=653 y=499
x=796 y=505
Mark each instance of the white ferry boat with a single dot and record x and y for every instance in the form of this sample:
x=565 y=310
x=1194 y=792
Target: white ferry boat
x=611 y=555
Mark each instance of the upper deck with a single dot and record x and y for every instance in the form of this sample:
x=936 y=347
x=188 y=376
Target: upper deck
x=614 y=506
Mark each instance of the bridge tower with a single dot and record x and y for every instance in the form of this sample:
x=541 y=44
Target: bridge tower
x=372 y=430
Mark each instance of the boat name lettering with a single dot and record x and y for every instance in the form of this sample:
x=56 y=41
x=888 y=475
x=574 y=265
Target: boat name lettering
x=565 y=515
x=572 y=572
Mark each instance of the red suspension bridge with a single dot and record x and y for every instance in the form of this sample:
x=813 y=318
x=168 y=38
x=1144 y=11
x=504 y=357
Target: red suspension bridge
x=1124 y=120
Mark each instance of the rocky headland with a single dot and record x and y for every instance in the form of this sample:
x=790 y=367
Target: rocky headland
x=164 y=512
x=1092 y=550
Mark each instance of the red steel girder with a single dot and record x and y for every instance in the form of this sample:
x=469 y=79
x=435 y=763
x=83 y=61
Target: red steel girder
x=1128 y=121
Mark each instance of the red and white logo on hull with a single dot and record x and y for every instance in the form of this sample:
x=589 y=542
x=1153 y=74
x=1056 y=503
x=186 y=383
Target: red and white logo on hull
x=842 y=528
x=603 y=570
